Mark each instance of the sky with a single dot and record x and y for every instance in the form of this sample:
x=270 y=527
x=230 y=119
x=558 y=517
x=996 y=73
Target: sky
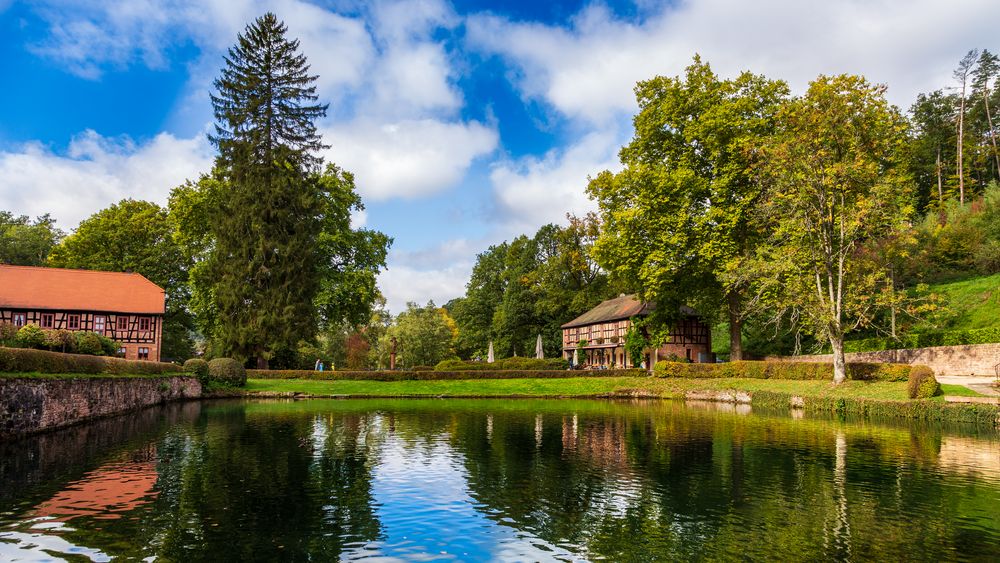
x=466 y=123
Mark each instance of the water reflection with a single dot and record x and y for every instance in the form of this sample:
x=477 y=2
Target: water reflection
x=506 y=480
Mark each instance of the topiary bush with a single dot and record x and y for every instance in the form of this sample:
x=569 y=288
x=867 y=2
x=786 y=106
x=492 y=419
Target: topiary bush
x=21 y=360
x=31 y=336
x=198 y=367
x=89 y=343
x=228 y=371
x=922 y=384
x=515 y=364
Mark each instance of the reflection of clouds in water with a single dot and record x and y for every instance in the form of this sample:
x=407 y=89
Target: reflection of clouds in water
x=33 y=546
x=427 y=513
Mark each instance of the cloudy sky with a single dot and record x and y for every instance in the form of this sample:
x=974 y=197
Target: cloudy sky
x=466 y=123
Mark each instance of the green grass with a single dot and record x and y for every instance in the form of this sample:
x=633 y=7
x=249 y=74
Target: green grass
x=959 y=391
x=578 y=386
x=975 y=300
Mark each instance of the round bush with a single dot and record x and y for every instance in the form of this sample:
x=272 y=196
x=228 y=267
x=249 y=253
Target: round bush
x=922 y=384
x=89 y=343
x=198 y=367
x=31 y=336
x=228 y=371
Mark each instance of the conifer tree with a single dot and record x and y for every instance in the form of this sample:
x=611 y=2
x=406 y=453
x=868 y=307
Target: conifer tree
x=265 y=267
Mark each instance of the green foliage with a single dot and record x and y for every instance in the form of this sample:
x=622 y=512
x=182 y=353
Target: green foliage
x=838 y=184
x=198 y=367
x=137 y=236
x=519 y=364
x=61 y=340
x=424 y=336
x=89 y=343
x=18 y=360
x=922 y=384
x=679 y=219
x=31 y=336
x=24 y=242
x=635 y=342
x=925 y=339
x=783 y=370
x=8 y=333
x=227 y=371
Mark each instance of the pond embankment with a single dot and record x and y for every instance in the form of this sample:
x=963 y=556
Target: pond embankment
x=38 y=403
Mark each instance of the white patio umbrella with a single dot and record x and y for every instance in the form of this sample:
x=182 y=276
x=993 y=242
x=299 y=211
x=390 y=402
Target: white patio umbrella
x=489 y=355
x=576 y=358
x=539 y=352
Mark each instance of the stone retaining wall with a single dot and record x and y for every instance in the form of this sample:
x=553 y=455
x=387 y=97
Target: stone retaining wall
x=973 y=359
x=30 y=405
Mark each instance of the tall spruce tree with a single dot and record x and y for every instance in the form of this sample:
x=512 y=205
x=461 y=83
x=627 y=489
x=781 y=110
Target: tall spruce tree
x=265 y=263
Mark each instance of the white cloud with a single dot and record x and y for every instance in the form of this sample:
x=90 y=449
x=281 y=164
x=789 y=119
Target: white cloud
x=407 y=159
x=97 y=171
x=587 y=70
x=401 y=284
x=531 y=192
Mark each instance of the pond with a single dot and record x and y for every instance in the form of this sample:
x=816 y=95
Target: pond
x=517 y=480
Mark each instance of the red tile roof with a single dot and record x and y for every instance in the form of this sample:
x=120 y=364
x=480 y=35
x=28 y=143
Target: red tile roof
x=29 y=287
x=618 y=309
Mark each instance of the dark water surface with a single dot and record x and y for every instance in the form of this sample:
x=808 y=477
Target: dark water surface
x=522 y=480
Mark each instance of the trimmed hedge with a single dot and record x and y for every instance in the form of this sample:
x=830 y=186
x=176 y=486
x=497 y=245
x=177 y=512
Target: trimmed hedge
x=519 y=364
x=926 y=340
x=228 y=371
x=21 y=360
x=438 y=375
x=783 y=370
x=922 y=384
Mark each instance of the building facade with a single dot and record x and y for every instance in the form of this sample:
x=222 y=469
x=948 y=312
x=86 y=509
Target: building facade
x=598 y=336
x=124 y=307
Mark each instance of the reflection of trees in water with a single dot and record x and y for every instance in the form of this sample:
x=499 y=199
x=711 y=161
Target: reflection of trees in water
x=283 y=487
x=686 y=484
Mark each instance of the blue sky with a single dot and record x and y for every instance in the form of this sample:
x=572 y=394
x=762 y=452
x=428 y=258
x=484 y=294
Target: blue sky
x=466 y=123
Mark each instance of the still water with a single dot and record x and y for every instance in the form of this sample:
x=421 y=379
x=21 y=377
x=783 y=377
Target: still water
x=525 y=480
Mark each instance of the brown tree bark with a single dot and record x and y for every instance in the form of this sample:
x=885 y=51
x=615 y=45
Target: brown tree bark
x=735 y=327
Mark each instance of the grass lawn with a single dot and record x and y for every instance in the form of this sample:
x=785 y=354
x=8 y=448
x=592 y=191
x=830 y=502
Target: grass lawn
x=976 y=300
x=959 y=391
x=582 y=386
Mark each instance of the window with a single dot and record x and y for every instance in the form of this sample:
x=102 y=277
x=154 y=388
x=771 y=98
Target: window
x=47 y=320
x=122 y=323
x=121 y=351
x=144 y=323
x=99 y=322
x=20 y=319
x=143 y=353
x=73 y=322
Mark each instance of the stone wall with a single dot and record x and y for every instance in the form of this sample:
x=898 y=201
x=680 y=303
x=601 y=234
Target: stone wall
x=977 y=359
x=30 y=405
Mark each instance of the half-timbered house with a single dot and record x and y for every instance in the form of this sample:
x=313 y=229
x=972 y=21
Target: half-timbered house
x=598 y=336
x=125 y=307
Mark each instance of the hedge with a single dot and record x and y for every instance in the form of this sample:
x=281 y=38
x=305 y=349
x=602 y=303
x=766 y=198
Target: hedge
x=784 y=370
x=438 y=375
x=926 y=340
x=519 y=364
x=17 y=360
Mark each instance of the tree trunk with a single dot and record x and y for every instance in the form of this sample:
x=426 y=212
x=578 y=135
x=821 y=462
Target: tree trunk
x=940 y=184
x=961 y=130
x=735 y=327
x=839 y=363
x=993 y=137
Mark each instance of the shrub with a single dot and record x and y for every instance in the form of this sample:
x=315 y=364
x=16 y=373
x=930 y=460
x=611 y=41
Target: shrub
x=422 y=368
x=783 y=370
x=108 y=347
x=922 y=384
x=8 y=333
x=19 y=360
x=198 y=367
x=31 y=336
x=925 y=340
x=89 y=343
x=228 y=371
